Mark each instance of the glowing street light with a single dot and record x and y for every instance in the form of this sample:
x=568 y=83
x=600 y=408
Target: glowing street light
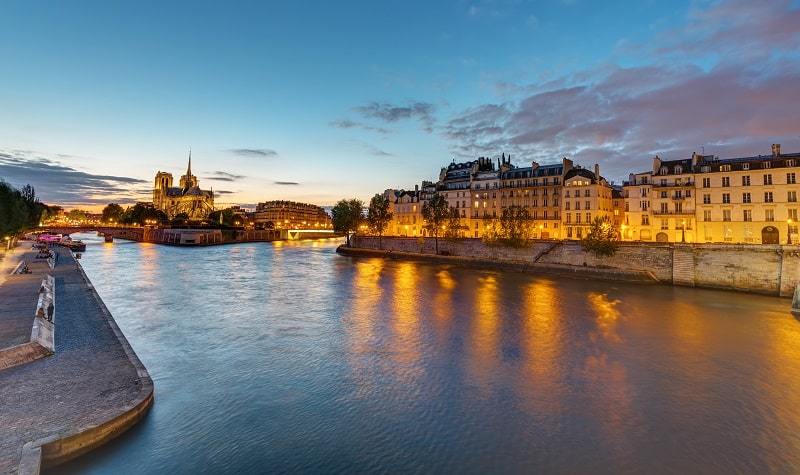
x=789 y=231
x=683 y=231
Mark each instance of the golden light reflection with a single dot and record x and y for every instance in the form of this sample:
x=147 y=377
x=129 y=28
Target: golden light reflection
x=405 y=310
x=606 y=315
x=443 y=301
x=484 y=332
x=364 y=306
x=541 y=343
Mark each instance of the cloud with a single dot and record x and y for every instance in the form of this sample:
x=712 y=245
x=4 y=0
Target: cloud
x=224 y=176
x=421 y=111
x=66 y=186
x=620 y=117
x=254 y=152
x=349 y=124
x=286 y=183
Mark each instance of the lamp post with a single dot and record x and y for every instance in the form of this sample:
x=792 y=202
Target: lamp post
x=541 y=235
x=789 y=231
x=683 y=231
x=622 y=234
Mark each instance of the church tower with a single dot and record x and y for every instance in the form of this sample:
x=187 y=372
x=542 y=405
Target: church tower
x=188 y=180
x=160 y=190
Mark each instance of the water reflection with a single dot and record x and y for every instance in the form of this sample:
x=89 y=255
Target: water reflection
x=289 y=358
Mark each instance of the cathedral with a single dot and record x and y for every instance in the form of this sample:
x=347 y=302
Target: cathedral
x=187 y=198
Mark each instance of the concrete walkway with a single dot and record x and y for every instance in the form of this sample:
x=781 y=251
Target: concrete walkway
x=89 y=391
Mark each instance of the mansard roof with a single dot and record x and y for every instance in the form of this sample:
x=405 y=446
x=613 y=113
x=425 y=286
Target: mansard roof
x=582 y=172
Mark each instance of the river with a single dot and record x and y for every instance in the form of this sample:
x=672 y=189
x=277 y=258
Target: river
x=289 y=358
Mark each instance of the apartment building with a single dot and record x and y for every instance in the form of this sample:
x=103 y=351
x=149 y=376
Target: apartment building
x=587 y=195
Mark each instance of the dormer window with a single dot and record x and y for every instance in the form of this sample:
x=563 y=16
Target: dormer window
x=663 y=171
x=678 y=170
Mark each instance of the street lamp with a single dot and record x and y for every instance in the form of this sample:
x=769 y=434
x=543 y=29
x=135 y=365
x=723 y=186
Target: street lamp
x=789 y=231
x=622 y=235
x=541 y=227
x=683 y=231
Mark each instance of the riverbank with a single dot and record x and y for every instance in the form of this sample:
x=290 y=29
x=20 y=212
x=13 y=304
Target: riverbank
x=619 y=275
x=762 y=269
x=89 y=391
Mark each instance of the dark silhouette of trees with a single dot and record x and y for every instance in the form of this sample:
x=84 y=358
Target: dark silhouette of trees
x=379 y=216
x=347 y=216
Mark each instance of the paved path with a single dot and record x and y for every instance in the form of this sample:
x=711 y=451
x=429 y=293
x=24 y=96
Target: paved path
x=92 y=378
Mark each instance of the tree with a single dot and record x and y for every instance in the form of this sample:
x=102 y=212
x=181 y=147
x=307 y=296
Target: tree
x=491 y=231
x=435 y=214
x=347 y=217
x=379 y=216
x=224 y=216
x=13 y=211
x=112 y=212
x=453 y=227
x=515 y=226
x=602 y=238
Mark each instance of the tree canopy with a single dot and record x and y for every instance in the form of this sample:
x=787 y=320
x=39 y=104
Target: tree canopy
x=379 y=216
x=436 y=215
x=347 y=216
x=112 y=213
x=602 y=238
x=516 y=226
x=19 y=209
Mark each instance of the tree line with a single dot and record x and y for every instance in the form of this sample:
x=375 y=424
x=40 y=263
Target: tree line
x=19 y=209
x=514 y=227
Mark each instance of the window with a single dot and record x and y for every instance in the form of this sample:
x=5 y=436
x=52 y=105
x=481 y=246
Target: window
x=688 y=193
x=664 y=224
x=792 y=213
x=588 y=217
x=726 y=215
x=790 y=178
x=768 y=179
x=566 y=205
x=769 y=215
x=587 y=193
x=745 y=197
x=707 y=215
x=747 y=215
x=645 y=220
x=726 y=181
x=662 y=171
x=663 y=193
x=566 y=194
x=767 y=197
x=706 y=198
x=663 y=182
x=569 y=218
x=725 y=168
x=766 y=165
x=726 y=197
x=664 y=207
x=705 y=169
x=588 y=205
x=577 y=218
x=706 y=182
x=745 y=166
x=789 y=163
x=792 y=197
x=746 y=180
x=577 y=205
x=678 y=170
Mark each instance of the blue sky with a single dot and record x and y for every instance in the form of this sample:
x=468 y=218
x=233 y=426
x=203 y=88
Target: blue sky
x=315 y=101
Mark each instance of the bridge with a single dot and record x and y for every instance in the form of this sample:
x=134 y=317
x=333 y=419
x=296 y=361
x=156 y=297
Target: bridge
x=194 y=236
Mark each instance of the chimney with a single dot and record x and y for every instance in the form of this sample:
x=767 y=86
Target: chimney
x=596 y=171
x=776 y=150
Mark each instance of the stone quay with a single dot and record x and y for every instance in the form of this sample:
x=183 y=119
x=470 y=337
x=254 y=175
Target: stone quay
x=89 y=387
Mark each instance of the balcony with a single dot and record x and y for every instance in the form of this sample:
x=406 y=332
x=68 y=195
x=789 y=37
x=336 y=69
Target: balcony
x=673 y=185
x=685 y=212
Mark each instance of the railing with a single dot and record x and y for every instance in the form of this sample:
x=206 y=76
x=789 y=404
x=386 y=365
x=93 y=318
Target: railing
x=673 y=185
x=673 y=212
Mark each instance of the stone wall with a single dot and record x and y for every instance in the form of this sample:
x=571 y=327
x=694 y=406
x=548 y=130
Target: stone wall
x=759 y=268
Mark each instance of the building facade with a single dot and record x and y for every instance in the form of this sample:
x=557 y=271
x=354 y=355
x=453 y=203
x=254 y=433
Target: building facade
x=281 y=214
x=187 y=198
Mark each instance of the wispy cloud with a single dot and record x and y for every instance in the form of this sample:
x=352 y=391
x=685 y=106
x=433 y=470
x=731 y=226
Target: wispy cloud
x=287 y=183
x=421 y=111
x=349 y=124
x=58 y=184
x=254 y=152
x=224 y=176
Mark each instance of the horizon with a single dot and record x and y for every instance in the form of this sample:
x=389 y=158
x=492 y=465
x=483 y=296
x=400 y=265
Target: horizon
x=316 y=102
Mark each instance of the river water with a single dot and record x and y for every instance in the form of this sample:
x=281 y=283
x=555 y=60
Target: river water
x=289 y=358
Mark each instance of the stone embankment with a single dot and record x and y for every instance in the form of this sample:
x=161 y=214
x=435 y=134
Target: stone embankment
x=92 y=386
x=764 y=269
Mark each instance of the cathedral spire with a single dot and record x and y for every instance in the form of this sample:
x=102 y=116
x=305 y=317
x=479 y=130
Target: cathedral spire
x=189 y=170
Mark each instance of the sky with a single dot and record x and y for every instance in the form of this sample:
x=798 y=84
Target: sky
x=316 y=101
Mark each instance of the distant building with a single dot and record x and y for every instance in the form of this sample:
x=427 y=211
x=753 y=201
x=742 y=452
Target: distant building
x=291 y=215
x=187 y=198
